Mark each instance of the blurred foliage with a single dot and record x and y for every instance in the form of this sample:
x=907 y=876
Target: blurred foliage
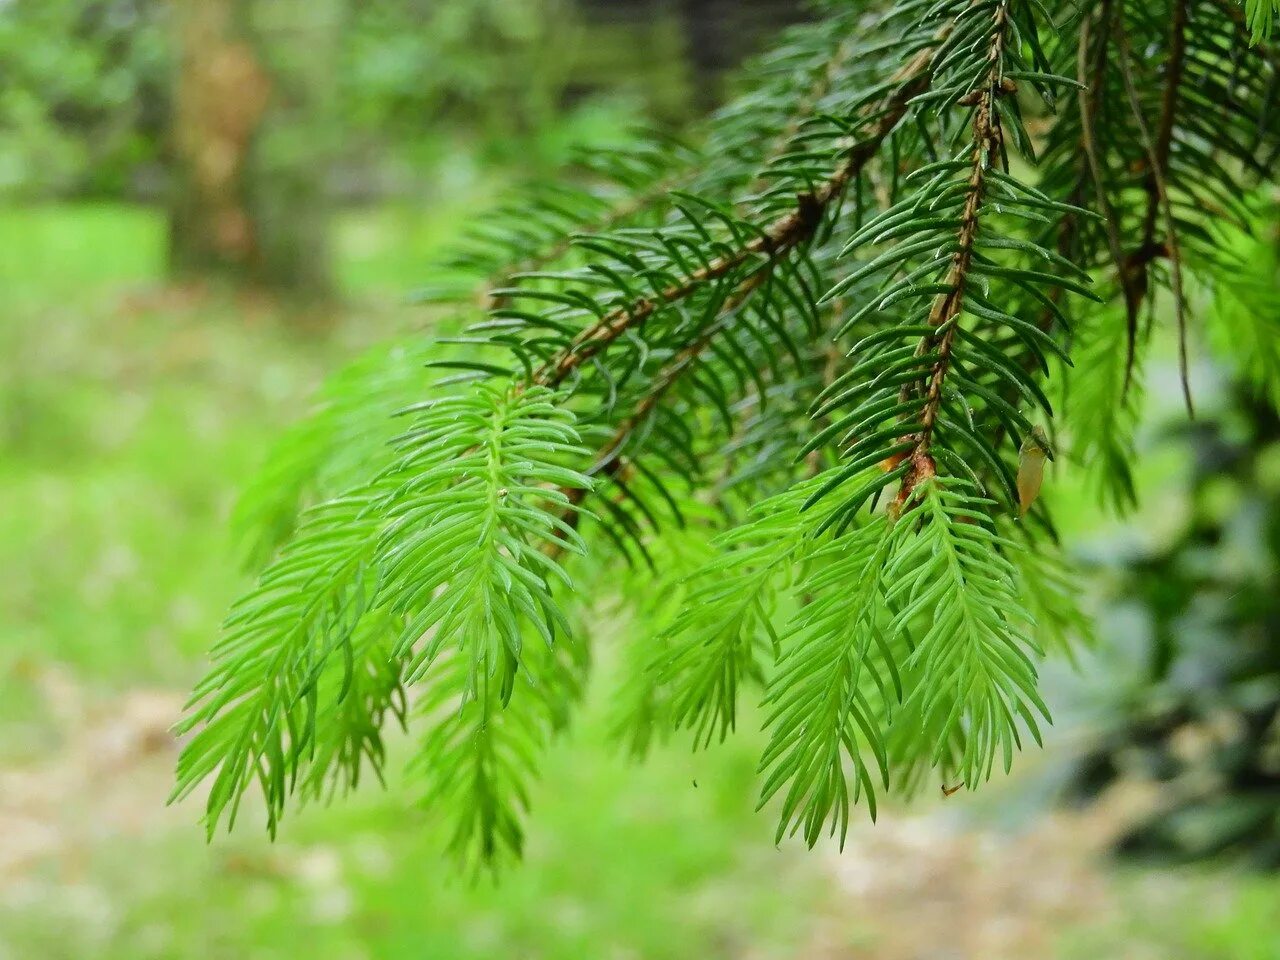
x=407 y=65
x=1192 y=697
x=1203 y=717
x=85 y=96
x=505 y=67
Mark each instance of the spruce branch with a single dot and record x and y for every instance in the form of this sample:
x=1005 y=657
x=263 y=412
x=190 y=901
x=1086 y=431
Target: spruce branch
x=801 y=366
x=932 y=364
x=723 y=641
x=560 y=242
x=1093 y=83
x=442 y=552
x=256 y=711
x=987 y=146
x=461 y=556
x=828 y=700
x=782 y=235
x=1157 y=150
x=478 y=757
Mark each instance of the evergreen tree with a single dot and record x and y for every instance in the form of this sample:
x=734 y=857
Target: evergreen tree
x=790 y=387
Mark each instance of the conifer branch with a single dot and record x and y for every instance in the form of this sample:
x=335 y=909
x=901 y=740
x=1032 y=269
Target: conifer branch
x=944 y=316
x=1093 y=83
x=782 y=235
x=1157 y=151
x=847 y=286
x=613 y=216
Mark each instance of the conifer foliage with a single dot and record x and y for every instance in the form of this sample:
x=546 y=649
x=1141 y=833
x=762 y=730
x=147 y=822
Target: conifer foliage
x=789 y=386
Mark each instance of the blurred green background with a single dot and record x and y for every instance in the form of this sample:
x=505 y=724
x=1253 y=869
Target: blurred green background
x=207 y=205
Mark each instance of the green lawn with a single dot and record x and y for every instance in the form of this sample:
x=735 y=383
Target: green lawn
x=129 y=413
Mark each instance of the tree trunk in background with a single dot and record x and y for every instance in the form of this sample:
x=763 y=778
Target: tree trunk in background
x=252 y=141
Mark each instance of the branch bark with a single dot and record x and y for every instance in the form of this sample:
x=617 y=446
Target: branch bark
x=787 y=232
x=945 y=313
x=1157 y=149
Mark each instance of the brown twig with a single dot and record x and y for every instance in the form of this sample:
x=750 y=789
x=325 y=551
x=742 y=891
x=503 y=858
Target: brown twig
x=681 y=362
x=609 y=461
x=1133 y=294
x=1157 y=150
x=782 y=235
x=944 y=315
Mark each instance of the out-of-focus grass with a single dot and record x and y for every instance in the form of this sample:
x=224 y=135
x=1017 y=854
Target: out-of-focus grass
x=1188 y=913
x=54 y=254
x=129 y=414
x=622 y=861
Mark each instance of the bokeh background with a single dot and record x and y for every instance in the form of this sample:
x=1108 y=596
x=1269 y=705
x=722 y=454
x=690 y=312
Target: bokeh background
x=207 y=205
